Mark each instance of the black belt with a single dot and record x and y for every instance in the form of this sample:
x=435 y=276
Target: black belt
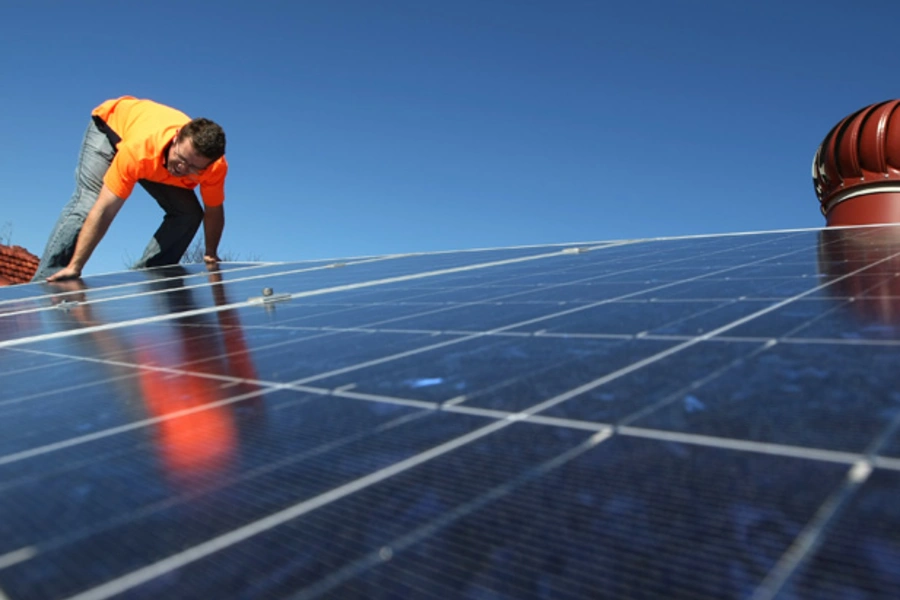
x=113 y=137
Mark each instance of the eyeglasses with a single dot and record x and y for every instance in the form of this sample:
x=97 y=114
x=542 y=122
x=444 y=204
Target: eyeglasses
x=189 y=169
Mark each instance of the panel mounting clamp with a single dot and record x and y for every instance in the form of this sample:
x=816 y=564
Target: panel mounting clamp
x=268 y=297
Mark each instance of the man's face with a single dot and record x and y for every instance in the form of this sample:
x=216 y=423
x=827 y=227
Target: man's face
x=184 y=160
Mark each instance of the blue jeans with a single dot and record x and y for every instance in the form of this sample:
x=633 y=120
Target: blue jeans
x=169 y=243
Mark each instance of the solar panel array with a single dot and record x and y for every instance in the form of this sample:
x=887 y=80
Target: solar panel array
x=706 y=417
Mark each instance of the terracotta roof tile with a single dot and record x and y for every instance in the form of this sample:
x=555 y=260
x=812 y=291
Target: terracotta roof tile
x=17 y=265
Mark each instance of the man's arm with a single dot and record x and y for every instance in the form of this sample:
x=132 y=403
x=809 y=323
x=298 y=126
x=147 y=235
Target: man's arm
x=213 y=225
x=95 y=225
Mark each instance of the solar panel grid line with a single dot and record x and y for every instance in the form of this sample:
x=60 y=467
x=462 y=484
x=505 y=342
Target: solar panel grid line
x=604 y=336
x=855 y=416
x=886 y=463
x=558 y=422
x=509 y=295
x=62 y=293
x=500 y=414
x=828 y=311
x=11 y=558
x=674 y=396
x=693 y=439
x=90 y=437
x=809 y=540
x=351 y=395
x=50 y=545
x=69 y=388
x=69 y=466
x=184 y=497
x=501 y=383
x=264 y=387
x=174 y=371
x=476 y=533
x=633 y=366
x=591 y=245
x=304 y=294
x=538 y=320
x=694 y=385
x=524 y=511
x=442 y=307
x=783 y=450
x=686 y=318
x=496 y=415
x=35 y=367
x=379 y=282
x=881 y=440
x=254 y=473
x=131 y=376
x=649 y=360
x=357 y=395
x=806 y=341
x=129 y=581
x=374 y=558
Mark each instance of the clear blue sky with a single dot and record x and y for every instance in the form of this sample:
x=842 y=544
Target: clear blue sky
x=361 y=127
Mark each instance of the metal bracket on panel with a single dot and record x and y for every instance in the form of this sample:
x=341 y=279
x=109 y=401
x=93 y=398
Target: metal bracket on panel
x=67 y=304
x=336 y=265
x=268 y=297
x=575 y=250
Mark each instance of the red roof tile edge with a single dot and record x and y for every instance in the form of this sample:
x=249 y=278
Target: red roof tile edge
x=17 y=265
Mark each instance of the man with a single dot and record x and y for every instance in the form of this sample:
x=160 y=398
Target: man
x=131 y=141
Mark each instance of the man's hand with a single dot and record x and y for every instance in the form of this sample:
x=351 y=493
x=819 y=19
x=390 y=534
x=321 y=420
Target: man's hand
x=65 y=274
x=213 y=223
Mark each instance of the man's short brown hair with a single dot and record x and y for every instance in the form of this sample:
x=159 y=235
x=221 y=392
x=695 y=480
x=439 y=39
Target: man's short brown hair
x=208 y=138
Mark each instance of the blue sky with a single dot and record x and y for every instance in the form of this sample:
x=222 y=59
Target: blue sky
x=360 y=127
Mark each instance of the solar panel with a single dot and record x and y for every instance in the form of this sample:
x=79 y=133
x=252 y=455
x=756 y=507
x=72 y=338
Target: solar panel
x=713 y=416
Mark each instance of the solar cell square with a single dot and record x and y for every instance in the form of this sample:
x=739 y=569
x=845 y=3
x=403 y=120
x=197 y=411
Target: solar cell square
x=792 y=394
x=859 y=555
x=671 y=380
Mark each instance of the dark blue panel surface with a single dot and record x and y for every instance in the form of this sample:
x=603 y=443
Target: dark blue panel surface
x=690 y=318
x=684 y=418
x=860 y=554
x=670 y=382
x=504 y=373
x=202 y=478
x=836 y=397
x=550 y=521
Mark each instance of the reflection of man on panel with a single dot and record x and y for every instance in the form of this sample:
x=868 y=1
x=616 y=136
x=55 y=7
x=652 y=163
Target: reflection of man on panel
x=182 y=368
x=131 y=141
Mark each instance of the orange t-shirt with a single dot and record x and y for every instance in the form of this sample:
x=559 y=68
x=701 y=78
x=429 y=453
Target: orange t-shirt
x=146 y=128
